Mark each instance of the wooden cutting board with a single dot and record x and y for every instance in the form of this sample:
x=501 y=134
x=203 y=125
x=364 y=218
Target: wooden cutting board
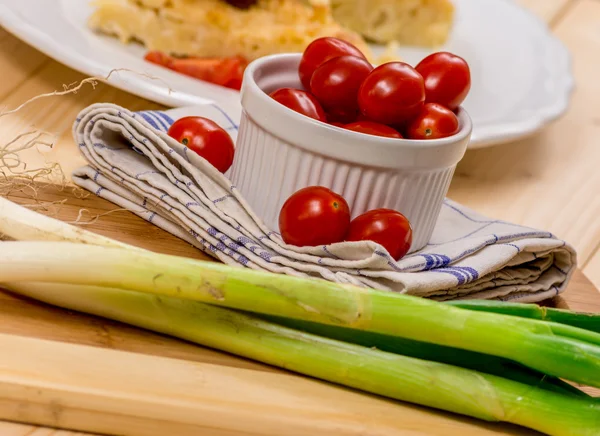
x=69 y=370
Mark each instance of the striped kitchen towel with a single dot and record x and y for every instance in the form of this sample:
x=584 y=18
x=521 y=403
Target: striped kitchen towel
x=133 y=163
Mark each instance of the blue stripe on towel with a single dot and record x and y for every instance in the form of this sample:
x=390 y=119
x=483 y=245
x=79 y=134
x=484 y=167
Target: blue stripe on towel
x=165 y=117
x=150 y=120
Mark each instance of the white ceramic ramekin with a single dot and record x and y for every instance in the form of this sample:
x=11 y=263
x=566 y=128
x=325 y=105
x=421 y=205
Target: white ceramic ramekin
x=280 y=151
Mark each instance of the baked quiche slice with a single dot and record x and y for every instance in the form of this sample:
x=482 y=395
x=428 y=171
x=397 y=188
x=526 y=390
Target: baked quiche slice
x=408 y=22
x=216 y=28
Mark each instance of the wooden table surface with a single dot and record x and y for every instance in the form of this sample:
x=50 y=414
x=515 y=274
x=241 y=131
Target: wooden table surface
x=550 y=180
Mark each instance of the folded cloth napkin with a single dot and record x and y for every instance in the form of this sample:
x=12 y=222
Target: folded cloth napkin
x=133 y=163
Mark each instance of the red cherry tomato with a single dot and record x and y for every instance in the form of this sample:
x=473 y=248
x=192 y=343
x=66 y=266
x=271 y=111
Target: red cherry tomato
x=362 y=117
x=159 y=58
x=447 y=79
x=387 y=227
x=336 y=124
x=206 y=138
x=336 y=82
x=320 y=51
x=226 y=72
x=301 y=102
x=433 y=122
x=373 y=128
x=342 y=116
x=392 y=93
x=314 y=216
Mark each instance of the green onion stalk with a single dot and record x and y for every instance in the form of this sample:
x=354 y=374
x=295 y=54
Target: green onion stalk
x=556 y=349
x=418 y=381
x=166 y=294
x=587 y=321
x=437 y=353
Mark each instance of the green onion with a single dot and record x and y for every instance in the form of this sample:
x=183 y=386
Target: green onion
x=432 y=384
x=324 y=326
x=555 y=349
x=437 y=353
x=587 y=321
x=18 y=222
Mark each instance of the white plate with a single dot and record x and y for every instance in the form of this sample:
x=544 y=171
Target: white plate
x=521 y=73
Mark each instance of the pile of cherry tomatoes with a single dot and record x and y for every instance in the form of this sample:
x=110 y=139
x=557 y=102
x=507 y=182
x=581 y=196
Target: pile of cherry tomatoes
x=343 y=89
x=316 y=216
x=392 y=100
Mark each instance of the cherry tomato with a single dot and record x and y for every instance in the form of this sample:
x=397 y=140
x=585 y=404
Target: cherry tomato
x=301 y=102
x=392 y=93
x=336 y=82
x=159 y=58
x=342 y=116
x=227 y=72
x=433 y=122
x=362 y=117
x=336 y=124
x=373 y=128
x=386 y=227
x=447 y=79
x=314 y=216
x=206 y=138
x=320 y=51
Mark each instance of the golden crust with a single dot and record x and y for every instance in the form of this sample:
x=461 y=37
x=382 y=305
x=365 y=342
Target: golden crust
x=409 y=22
x=213 y=28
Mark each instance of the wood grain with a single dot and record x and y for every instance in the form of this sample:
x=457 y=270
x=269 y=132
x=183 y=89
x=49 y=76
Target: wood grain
x=16 y=429
x=18 y=61
x=61 y=385
x=55 y=114
x=547 y=10
x=592 y=269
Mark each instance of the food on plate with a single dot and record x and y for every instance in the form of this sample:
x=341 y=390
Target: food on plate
x=218 y=28
x=386 y=227
x=447 y=79
x=320 y=51
x=227 y=72
x=336 y=82
x=392 y=93
x=207 y=30
x=206 y=138
x=314 y=216
x=433 y=122
x=373 y=128
x=393 y=100
x=301 y=102
x=409 y=22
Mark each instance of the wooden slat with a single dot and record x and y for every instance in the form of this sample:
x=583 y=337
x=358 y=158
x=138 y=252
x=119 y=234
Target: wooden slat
x=135 y=394
x=548 y=10
x=581 y=296
x=18 y=61
x=31 y=318
x=16 y=429
x=55 y=115
x=592 y=269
